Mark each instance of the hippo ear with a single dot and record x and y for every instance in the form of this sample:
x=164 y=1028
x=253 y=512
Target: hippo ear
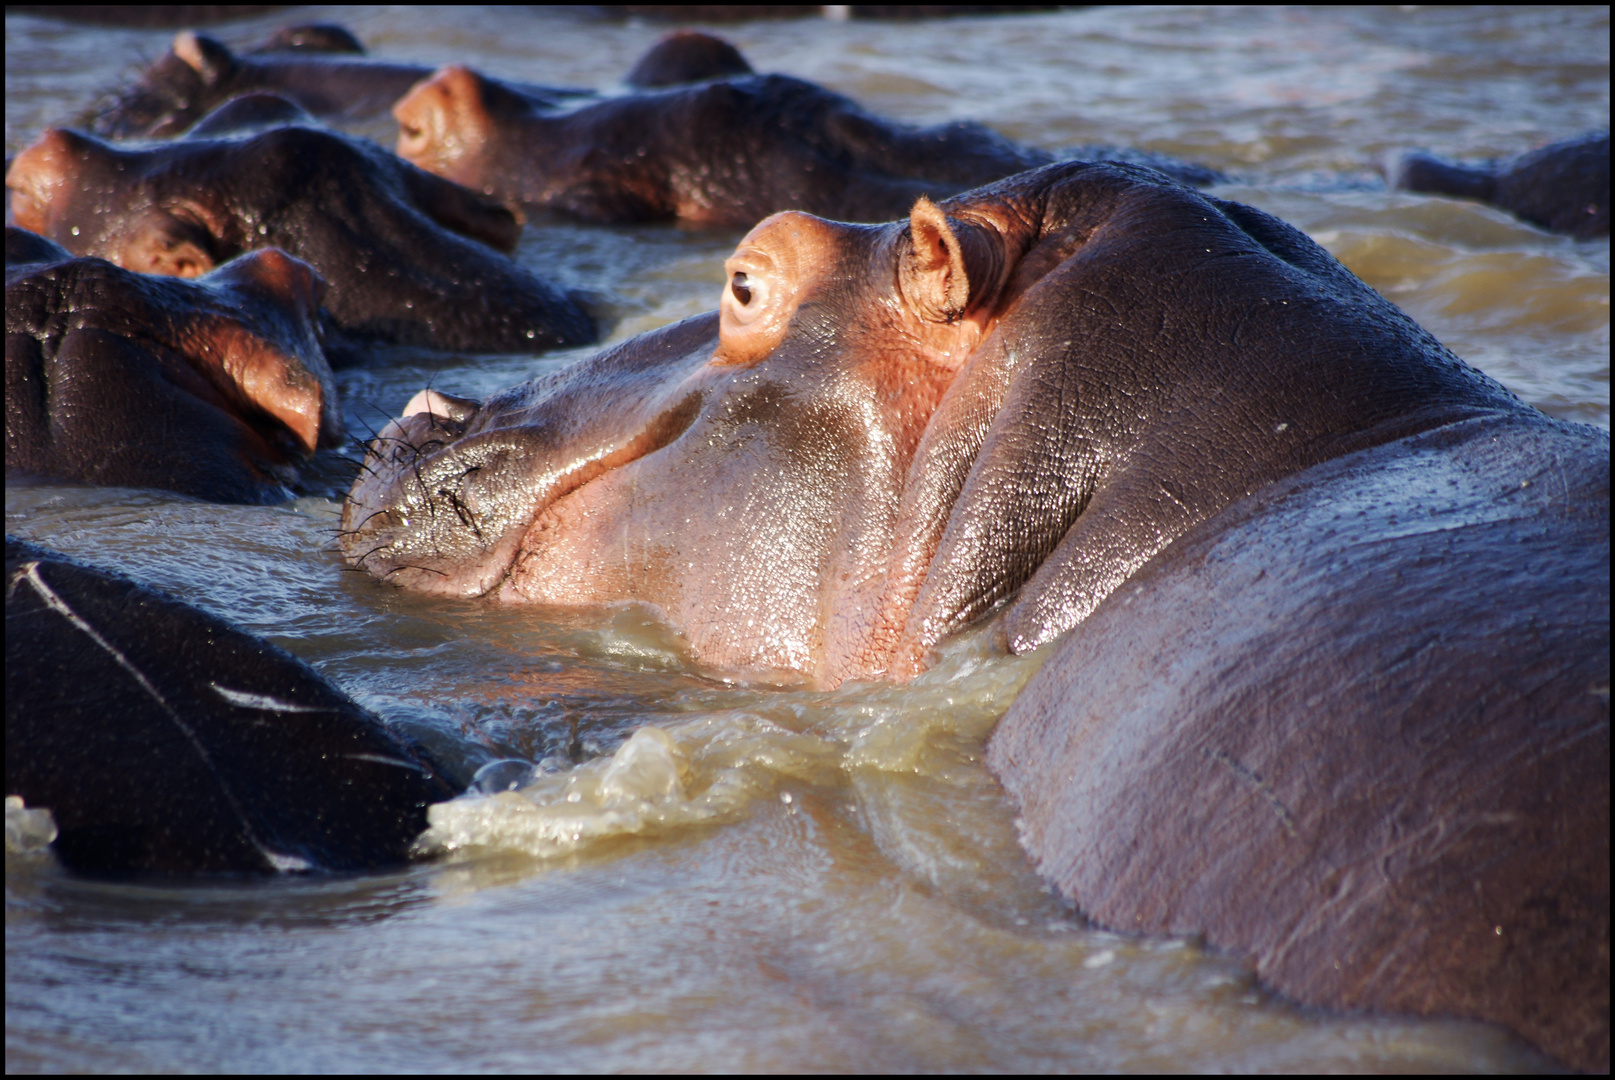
x=950 y=266
x=163 y=244
x=208 y=57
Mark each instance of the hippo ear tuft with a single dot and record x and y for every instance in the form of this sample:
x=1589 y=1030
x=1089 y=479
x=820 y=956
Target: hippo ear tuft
x=950 y=266
x=932 y=273
x=207 y=56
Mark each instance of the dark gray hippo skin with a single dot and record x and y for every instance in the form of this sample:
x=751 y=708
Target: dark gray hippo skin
x=1563 y=187
x=724 y=152
x=165 y=741
x=686 y=56
x=406 y=255
x=322 y=67
x=1338 y=602
x=215 y=388
x=1356 y=727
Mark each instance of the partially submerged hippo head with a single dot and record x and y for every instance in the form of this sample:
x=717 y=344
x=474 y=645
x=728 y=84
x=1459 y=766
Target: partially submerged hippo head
x=216 y=388
x=321 y=64
x=382 y=233
x=1563 y=187
x=686 y=56
x=1021 y=394
x=722 y=152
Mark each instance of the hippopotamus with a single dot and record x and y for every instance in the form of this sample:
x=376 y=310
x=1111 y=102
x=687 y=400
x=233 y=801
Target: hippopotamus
x=409 y=258
x=215 y=387
x=724 y=152
x=1336 y=603
x=686 y=56
x=166 y=741
x=1563 y=187
x=324 y=69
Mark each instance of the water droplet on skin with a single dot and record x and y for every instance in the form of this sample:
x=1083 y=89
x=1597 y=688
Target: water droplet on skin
x=75 y=230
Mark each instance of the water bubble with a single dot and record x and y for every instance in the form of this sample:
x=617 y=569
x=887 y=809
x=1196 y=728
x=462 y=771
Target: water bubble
x=506 y=774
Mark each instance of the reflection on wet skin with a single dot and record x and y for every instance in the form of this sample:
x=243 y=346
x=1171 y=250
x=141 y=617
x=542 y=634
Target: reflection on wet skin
x=703 y=868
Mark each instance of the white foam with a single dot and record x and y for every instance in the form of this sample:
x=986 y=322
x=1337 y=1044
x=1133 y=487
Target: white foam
x=27 y=831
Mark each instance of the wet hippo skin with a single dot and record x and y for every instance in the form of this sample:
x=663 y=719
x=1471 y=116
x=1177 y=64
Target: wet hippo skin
x=215 y=388
x=725 y=152
x=1563 y=187
x=686 y=56
x=405 y=253
x=1356 y=727
x=1039 y=401
x=163 y=740
x=922 y=413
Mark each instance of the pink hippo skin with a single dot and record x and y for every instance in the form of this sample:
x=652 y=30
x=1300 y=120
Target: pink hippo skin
x=1364 y=587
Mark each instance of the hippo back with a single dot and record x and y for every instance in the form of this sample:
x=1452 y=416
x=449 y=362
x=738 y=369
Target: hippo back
x=1357 y=726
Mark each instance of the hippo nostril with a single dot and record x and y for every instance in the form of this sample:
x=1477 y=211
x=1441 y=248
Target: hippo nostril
x=741 y=285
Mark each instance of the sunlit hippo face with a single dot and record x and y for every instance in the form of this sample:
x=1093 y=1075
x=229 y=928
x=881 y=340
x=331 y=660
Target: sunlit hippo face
x=753 y=462
x=886 y=431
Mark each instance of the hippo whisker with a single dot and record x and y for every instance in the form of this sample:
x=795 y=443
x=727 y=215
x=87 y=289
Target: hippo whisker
x=407 y=566
x=462 y=511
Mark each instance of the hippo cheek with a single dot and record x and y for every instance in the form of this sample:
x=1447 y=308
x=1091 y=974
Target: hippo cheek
x=744 y=558
x=627 y=537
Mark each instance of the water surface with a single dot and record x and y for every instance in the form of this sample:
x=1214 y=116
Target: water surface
x=769 y=878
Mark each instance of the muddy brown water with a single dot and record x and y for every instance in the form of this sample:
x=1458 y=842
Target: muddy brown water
x=767 y=878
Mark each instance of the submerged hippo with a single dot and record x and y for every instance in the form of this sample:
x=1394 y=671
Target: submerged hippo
x=164 y=740
x=1090 y=397
x=215 y=388
x=1563 y=187
x=724 y=152
x=322 y=67
x=405 y=253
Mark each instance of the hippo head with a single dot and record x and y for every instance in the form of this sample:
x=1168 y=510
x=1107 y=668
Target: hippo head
x=1022 y=393
x=216 y=388
x=77 y=191
x=192 y=77
x=462 y=125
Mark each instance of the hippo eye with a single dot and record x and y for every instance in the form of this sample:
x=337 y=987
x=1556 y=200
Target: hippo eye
x=741 y=286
